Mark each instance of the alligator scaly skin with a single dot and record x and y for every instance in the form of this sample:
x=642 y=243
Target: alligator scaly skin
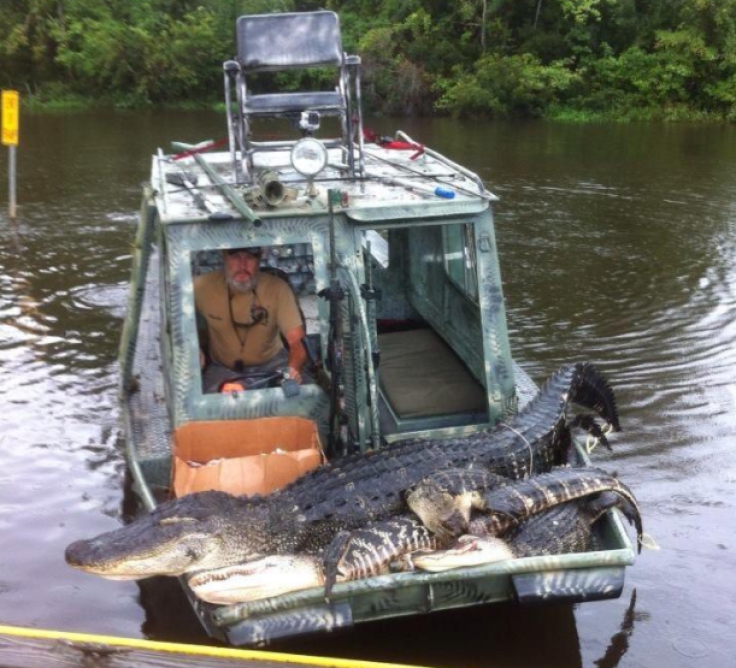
x=446 y=502
x=563 y=529
x=507 y=505
x=371 y=487
x=404 y=543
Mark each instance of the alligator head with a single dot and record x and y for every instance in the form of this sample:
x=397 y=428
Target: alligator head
x=198 y=531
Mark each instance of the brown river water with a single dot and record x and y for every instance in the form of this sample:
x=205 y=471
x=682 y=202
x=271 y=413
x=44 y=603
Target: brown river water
x=618 y=245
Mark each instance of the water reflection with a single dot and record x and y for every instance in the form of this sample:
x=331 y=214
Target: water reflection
x=619 y=644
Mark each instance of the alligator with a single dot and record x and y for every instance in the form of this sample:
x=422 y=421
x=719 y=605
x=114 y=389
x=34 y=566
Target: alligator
x=563 y=529
x=446 y=502
x=210 y=530
x=547 y=522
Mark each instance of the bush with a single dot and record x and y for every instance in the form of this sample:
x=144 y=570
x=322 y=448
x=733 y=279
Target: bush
x=504 y=86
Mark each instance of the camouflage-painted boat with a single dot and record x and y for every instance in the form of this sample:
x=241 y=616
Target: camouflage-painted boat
x=390 y=249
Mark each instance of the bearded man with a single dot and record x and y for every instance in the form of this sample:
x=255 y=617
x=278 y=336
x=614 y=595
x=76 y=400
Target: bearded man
x=246 y=313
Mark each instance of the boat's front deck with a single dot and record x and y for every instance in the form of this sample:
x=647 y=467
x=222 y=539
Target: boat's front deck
x=391 y=178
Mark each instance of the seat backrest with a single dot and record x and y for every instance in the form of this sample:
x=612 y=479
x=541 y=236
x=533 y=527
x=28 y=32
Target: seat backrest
x=270 y=42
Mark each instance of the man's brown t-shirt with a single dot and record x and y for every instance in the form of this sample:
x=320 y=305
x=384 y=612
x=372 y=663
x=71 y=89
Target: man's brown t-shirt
x=223 y=309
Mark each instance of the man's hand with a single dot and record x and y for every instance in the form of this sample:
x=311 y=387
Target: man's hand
x=202 y=359
x=294 y=375
x=297 y=354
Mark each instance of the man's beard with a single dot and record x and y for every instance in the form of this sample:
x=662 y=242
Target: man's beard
x=242 y=286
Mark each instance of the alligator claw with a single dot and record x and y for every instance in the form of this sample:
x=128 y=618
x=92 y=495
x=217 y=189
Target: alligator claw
x=588 y=423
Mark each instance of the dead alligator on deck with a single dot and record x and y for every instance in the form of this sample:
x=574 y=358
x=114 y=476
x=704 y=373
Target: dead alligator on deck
x=552 y=513
x=212 y=529
x=566 y=528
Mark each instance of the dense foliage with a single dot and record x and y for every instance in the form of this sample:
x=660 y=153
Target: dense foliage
x=504 y=58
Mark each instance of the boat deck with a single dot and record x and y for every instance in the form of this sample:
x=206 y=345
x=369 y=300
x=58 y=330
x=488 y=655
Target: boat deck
x=409 y=180
x=146 y=418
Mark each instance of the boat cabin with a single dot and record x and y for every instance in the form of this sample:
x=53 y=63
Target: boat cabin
x=388 y=246
x=423 y=334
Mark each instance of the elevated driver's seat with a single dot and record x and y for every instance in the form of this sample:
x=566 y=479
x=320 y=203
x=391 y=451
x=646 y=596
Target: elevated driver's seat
x=276 y=42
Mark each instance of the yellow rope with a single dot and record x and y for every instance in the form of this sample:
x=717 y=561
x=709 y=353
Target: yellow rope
x=198 y=650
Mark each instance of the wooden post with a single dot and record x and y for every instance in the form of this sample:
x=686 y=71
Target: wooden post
x=11 y=113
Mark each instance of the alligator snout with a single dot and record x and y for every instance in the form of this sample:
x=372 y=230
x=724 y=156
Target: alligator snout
x=77 y=554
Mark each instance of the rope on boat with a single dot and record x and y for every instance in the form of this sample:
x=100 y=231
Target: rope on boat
x=197 y=650
x=528 y=445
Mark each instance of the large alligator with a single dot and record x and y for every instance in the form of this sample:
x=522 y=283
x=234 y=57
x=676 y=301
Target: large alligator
x=212 y=529
x=550 y=514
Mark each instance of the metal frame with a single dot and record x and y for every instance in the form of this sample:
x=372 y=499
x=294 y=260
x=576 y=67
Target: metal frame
x=302 y=29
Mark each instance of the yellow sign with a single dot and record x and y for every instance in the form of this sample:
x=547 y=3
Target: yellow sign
x=11 y=113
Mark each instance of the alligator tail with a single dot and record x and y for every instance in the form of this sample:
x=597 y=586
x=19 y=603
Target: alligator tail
x=626 y=503
x=588 y=388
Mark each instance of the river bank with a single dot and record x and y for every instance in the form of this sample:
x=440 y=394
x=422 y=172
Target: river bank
x=675 y=114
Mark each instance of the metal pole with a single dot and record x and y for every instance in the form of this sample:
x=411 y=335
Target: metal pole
x=231 y=194
x=11 y=183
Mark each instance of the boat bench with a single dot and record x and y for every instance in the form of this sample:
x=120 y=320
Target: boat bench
x=424 y=384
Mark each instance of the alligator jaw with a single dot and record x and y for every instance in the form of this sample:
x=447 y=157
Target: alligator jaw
x=192 y=533
x=116 y=556
x=255 y=580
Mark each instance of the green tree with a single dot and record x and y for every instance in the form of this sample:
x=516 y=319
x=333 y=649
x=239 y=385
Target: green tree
x=633 y=58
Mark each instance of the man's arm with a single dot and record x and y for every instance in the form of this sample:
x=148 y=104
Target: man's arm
x=297 y=354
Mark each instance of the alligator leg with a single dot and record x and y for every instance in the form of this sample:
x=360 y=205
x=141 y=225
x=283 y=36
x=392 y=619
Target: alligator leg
x=369 y=551
x=588 y=423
